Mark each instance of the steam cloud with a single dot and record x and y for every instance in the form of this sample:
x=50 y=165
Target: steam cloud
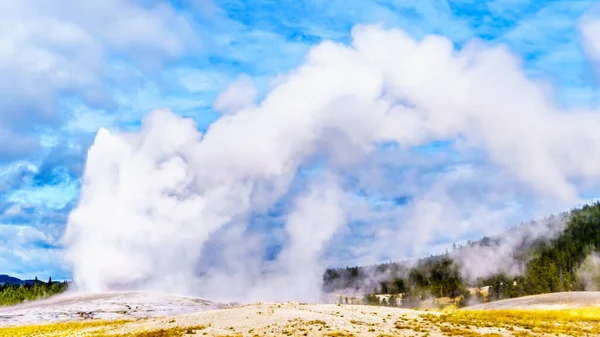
x=153 y=201
x=589 y=272
x=509 y=253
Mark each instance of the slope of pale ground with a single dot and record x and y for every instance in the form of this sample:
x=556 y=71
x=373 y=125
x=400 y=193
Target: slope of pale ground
x=575 y=299
x=69 y=307
x=297 y=319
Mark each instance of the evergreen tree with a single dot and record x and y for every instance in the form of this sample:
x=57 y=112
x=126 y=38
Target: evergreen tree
x=15 y=293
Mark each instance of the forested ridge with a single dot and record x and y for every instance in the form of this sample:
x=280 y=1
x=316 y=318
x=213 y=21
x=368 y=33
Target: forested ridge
x=21 y=291
x=549 y=266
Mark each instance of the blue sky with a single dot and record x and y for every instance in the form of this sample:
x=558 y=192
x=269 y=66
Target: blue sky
x=64 y=76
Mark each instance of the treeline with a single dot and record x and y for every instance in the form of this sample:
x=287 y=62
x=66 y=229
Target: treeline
x=549 y=266
x=11 y=294
x=436 y=276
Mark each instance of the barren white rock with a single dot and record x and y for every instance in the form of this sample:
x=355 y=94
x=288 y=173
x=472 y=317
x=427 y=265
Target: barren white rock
x=122 y=305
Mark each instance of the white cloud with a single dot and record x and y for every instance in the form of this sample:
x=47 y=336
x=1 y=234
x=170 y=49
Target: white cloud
x=200 y=80
x=238 y=95
x=49 y=196
x=25 y=248
x=152 y=199
x=87 y=120
x=590 y=29
x=53 y=47
x=13 y=210
x=15 y=146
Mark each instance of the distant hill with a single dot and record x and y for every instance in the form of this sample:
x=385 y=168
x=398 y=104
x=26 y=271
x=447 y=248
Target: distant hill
x=10 y=280
x=7 y=279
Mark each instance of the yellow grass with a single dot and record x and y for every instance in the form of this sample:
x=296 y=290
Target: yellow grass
x=89 y=328
x=572 y=322
x=94 y=328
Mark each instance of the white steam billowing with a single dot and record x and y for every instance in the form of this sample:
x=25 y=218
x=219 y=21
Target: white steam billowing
x=152 y=200
x=589 y=272
x=509 y=253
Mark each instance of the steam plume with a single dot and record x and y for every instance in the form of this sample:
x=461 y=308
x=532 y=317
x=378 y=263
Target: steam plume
x=153 y=200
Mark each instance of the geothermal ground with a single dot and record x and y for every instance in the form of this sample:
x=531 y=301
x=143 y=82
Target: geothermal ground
x=105 y=306
x=152 y=315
